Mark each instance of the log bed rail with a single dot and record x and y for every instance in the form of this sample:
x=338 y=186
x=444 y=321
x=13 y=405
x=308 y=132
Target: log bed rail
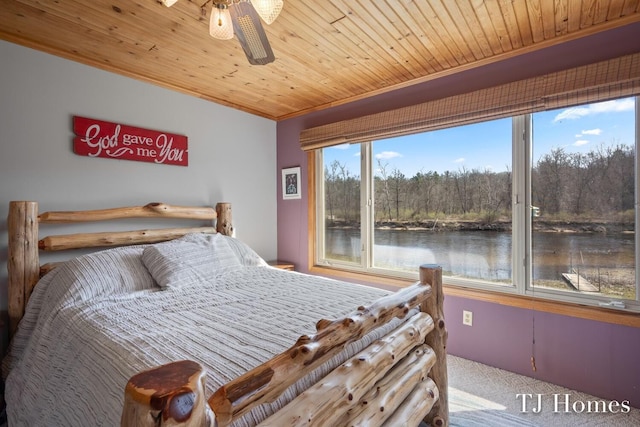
x=400 y=379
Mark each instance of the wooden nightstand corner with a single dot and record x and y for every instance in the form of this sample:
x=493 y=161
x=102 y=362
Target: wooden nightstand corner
x=283 y=265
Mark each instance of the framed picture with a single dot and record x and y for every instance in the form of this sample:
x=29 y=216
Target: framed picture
x=291 y=185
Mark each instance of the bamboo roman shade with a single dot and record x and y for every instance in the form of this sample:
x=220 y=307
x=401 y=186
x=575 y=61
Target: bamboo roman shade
x=601 y=81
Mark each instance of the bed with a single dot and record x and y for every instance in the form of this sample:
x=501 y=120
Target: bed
x=189 y=326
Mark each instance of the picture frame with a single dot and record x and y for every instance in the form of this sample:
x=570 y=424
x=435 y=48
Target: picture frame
x=291 y=185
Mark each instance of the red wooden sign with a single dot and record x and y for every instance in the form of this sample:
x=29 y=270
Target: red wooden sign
x=95 y=138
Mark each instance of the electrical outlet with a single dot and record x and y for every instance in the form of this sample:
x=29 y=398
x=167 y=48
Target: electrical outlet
x=467 y=318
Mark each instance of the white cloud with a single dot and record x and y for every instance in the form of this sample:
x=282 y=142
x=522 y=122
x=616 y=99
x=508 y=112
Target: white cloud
x=571 y=113
x=342 y=146
x=357 y=154
x=460 y=160
x=613 y=106
x=581 y=142
x=601 y=107
x=387 y=155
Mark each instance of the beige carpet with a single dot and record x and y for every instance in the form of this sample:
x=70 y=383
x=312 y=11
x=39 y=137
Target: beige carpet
x=483 y=396
x=480 y=395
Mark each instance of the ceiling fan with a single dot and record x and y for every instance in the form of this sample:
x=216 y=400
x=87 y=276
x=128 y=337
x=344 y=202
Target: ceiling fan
x=242 y=19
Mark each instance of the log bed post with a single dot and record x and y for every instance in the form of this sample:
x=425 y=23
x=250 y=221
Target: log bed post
x=23 y=264
x=169 y=395
x=224 y=224
x=432 y=275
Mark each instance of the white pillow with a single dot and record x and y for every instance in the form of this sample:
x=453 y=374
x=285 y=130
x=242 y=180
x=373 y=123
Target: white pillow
x=193 y=258
x=103 y=273
x=247 y=256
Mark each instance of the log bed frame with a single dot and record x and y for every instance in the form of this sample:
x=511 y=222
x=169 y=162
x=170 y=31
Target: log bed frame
x=400 y=379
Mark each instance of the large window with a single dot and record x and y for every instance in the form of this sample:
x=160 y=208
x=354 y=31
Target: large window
x=341 y=239
x=542 y=203
x=583 y=186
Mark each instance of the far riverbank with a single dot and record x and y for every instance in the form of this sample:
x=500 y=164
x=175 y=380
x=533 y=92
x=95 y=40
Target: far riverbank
x=539 y=225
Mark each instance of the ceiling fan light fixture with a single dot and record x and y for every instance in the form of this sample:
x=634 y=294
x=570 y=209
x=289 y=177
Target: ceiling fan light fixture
x=268 y=9
x=220 y=25
x=169 y=3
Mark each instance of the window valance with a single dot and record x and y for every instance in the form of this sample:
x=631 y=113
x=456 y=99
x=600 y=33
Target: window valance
x=596 y=82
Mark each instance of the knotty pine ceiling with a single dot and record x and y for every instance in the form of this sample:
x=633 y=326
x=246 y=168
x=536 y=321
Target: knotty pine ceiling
x=327 y=52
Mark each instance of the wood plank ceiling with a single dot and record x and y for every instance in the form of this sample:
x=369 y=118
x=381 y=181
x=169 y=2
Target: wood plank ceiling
x=327 y=53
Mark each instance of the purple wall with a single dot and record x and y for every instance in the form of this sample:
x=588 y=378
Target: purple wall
x=594 y=357
x=598 y=358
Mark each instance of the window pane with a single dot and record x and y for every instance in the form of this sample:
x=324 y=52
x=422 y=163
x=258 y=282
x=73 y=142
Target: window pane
x=342 y=203
x=583 y=186
x=444 y=197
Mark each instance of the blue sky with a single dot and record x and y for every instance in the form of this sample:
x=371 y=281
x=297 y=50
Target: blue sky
x=487 y=146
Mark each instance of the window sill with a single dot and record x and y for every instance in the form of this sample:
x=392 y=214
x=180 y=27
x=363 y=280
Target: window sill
x=599 y=314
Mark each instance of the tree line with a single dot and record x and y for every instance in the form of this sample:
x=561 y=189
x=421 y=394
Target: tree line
x=597 y=184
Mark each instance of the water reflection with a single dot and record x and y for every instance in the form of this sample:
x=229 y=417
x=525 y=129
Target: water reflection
x=487 y=254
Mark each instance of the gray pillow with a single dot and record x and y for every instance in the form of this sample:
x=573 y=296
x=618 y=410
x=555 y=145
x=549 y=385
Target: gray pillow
x=191 y=259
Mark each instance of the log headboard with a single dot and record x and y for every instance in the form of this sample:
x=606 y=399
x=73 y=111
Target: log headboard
x=25 y=244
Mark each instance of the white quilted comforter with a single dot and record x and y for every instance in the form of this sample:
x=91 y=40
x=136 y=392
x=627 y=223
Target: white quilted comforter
x=97 y=320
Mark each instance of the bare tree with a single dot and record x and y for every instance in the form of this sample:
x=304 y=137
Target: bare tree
x=423 y=188
x=385 y=192
x=548 y=183
x=462 y=183
x=582 y=176
x=397 y=183
x=330 y=190
x=342 y=192
x=348 y=191
x=601 y=181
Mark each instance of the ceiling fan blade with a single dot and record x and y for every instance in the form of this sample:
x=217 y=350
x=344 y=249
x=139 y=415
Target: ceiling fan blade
x=250 y=33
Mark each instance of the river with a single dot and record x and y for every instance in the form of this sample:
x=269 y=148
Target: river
x=487 y=254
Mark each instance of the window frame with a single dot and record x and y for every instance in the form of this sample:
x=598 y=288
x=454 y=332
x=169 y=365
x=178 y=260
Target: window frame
x=522 y=143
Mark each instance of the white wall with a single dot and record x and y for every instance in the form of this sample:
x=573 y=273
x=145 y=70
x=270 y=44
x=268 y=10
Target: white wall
x=232 y=154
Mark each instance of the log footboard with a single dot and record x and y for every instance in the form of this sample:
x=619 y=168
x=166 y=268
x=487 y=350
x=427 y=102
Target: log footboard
x=400 y=379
